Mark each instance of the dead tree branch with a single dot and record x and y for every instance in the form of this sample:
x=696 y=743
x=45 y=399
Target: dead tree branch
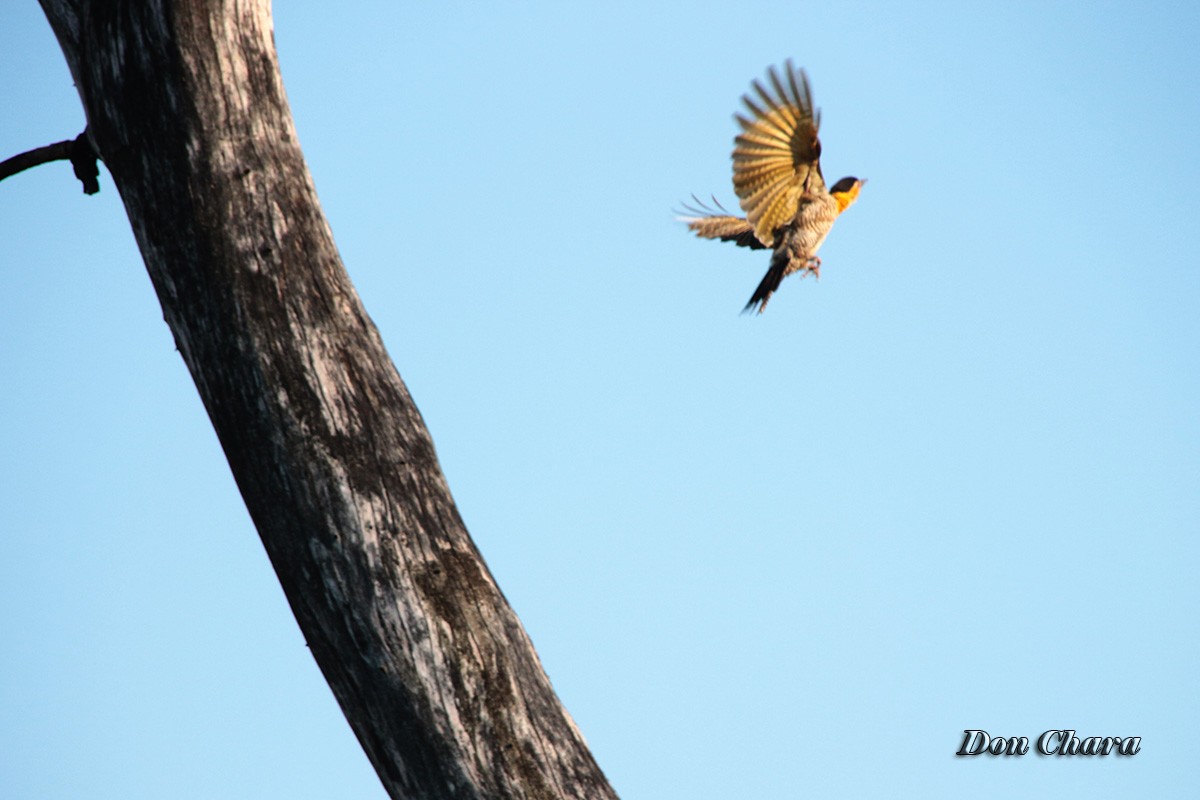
x=78 y=151
x=186 y=107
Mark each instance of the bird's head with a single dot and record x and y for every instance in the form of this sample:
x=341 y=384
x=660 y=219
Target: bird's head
x=845 y=192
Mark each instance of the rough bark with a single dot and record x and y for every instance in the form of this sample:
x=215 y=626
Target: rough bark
x=433 y=670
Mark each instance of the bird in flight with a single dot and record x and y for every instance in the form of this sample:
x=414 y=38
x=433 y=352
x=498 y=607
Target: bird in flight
x=777 y=178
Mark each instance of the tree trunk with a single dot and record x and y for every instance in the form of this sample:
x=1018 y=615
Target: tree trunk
x=186 y=108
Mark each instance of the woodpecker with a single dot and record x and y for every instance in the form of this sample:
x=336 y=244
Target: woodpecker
x=777 y=178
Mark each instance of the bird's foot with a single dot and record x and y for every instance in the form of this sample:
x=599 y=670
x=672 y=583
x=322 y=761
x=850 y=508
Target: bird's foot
x=814 y=266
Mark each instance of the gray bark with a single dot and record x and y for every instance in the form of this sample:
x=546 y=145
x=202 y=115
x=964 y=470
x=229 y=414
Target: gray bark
x=186 y=108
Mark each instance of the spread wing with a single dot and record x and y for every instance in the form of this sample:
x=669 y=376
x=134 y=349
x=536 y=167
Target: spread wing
x=776 y=158
x=727 y=229
x=709 y=223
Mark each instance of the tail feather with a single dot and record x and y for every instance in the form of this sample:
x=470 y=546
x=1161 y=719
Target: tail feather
x=768 y=285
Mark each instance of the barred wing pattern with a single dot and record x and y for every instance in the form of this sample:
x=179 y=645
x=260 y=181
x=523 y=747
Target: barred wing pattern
x=717 y=223
x=727 y=229
x=776 y=158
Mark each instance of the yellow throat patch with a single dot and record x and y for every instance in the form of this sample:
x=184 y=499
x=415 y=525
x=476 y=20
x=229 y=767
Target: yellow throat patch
x=846 y=199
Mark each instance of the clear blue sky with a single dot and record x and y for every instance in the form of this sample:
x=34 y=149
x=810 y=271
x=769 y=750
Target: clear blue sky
x=952 y=485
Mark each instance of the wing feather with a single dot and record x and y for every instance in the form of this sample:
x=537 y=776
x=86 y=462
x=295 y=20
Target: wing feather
x=776 y=157
x=709 y=223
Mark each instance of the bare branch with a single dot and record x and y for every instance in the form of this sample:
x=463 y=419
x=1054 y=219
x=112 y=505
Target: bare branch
x=59 y=151
x=435 y=674
x=78 y=151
